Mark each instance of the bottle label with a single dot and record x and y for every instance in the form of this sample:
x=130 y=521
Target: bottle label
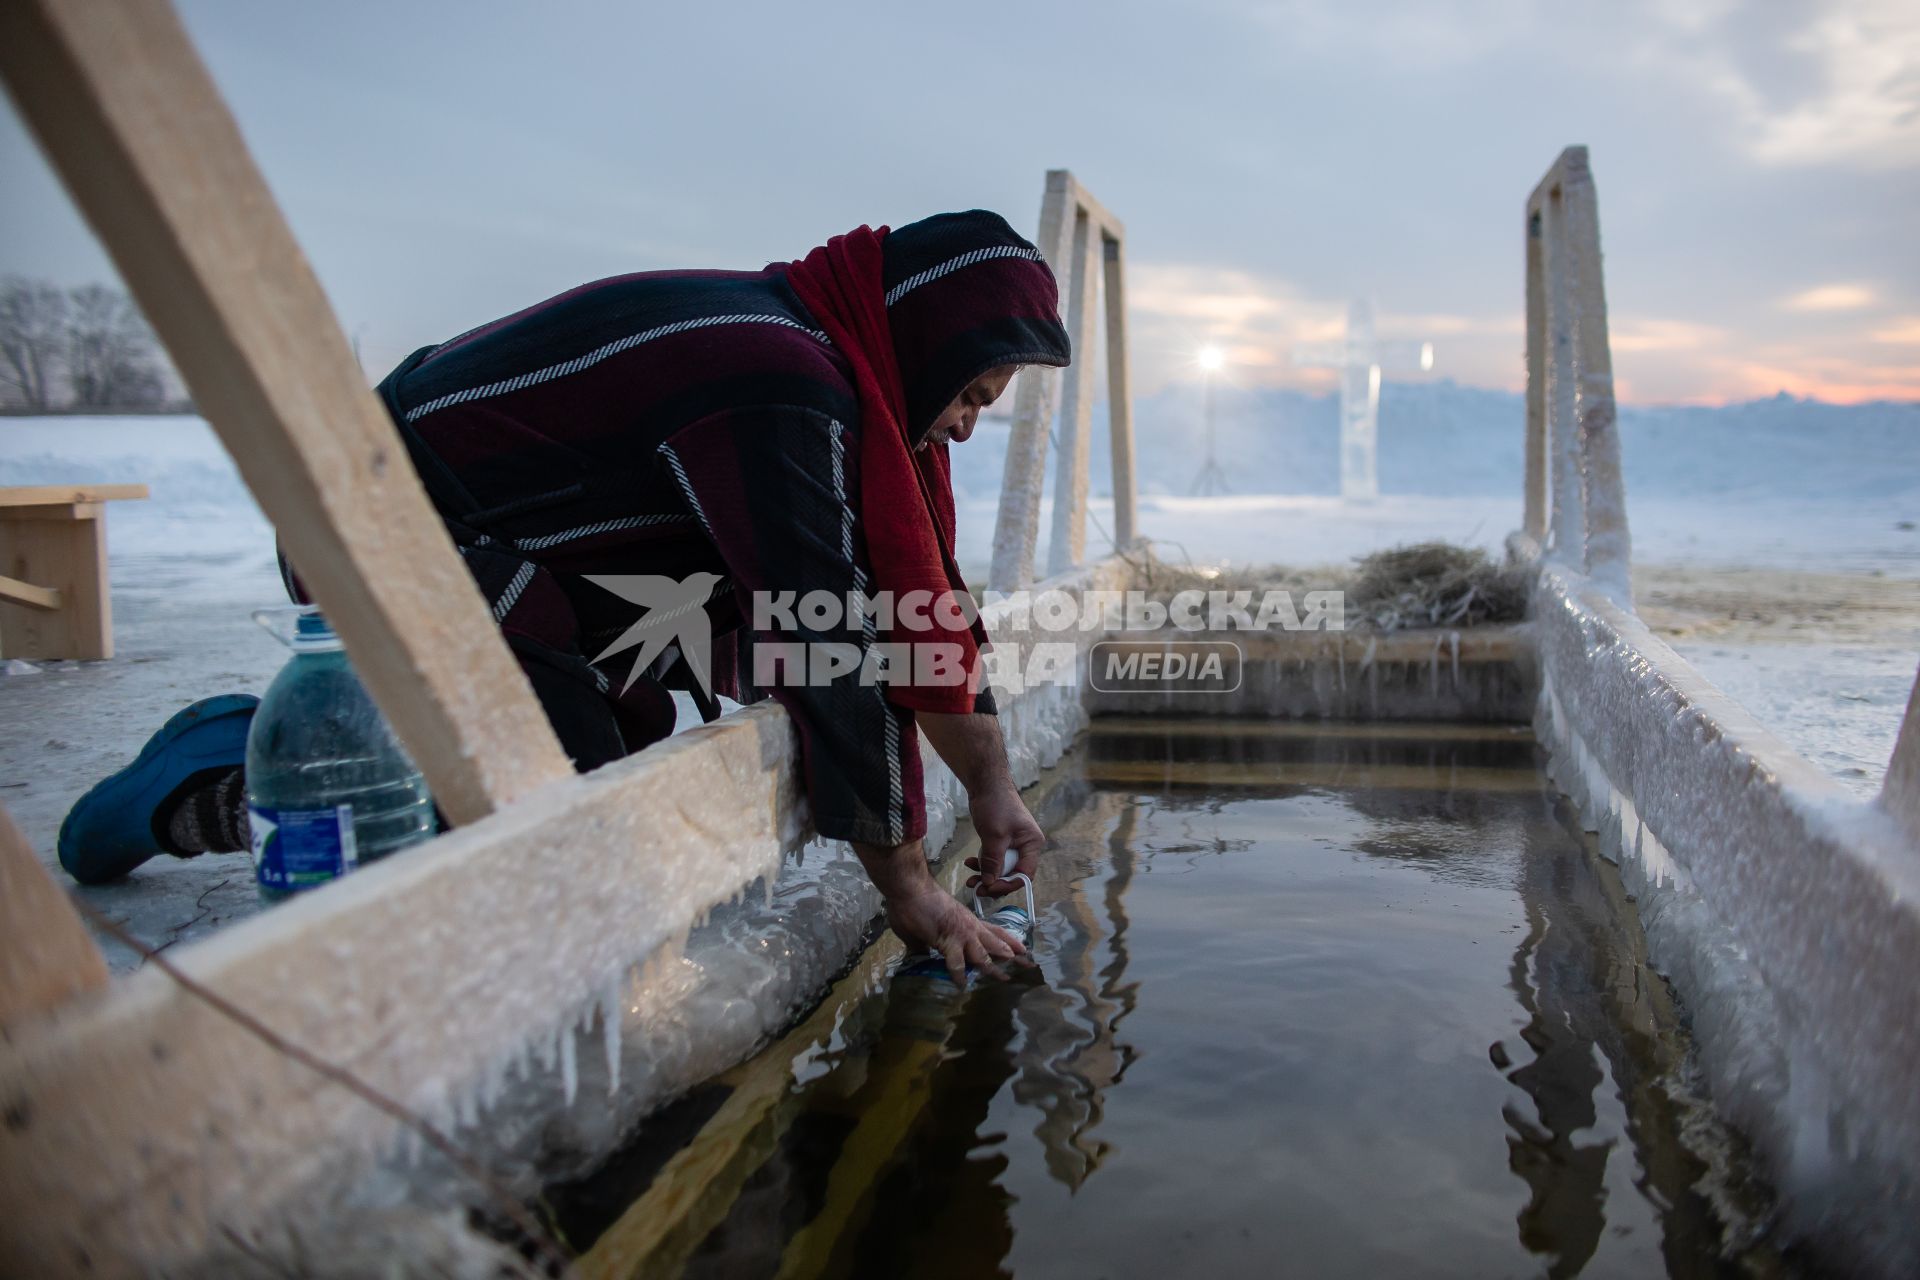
x=296 y=849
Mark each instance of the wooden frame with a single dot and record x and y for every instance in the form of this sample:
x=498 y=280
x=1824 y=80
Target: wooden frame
x=1083 y=243
x=422 y=973
x=53 y=551
x=1575 y=504
x=134 y=125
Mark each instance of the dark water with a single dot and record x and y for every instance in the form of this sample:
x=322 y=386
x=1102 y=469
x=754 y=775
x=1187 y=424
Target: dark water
x=1316 y=1000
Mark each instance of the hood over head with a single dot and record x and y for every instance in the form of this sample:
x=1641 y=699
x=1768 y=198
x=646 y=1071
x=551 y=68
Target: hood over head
x=965 y=293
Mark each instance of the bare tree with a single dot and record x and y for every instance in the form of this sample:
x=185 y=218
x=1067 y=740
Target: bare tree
x=33 y=320
x=111 y=353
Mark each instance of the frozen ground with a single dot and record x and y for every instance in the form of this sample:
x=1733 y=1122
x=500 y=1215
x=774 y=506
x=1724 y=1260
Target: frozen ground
x=1806 y=611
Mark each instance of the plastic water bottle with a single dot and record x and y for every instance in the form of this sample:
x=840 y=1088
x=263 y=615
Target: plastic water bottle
x=328 y=784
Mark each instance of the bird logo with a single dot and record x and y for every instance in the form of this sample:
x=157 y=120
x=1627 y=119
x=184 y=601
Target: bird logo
x=675 y=614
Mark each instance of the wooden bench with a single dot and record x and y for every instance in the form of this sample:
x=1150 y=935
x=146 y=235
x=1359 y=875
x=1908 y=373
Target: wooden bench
x=53 y=570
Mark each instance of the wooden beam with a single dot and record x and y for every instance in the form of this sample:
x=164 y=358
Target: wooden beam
x=1016 y=529
x=1534 y=505
x=35 y=495
x=46 y=955
x=1126 y=486
x=1067 y=546
x=420 y=972
x=63 y=548
x=415 y=972
x=25 y=594
x=1607 y=548
x=133 y=123
x=1081 y=242
x=1567 y=515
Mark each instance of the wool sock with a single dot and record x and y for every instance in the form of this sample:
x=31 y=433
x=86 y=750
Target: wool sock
x=212 y=818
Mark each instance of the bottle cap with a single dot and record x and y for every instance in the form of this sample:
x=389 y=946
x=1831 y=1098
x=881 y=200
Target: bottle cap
x=302 y=628
x=312 y=633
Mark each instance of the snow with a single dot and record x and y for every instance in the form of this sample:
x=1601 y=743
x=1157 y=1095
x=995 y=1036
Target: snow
x=189 y=564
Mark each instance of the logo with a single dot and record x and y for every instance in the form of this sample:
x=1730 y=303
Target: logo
x=1158 y=644
x=1165 y=666
x=676 y=616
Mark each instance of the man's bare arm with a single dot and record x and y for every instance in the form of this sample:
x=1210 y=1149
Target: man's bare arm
x=973 y=748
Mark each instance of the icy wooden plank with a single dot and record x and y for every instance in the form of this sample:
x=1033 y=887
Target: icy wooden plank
x=60 y=494
x=154 y=1122
x=1608 y=548
x=1534 y=521
x=46 y=956
x=1017 y=529
x=1568 y=516
x=1073 y=226
x=425 y=974
x=1786 y=911
x=1119 y=395
x=1068 y=545
x=1900 y=793
x=1570 y=381
x=131 y=120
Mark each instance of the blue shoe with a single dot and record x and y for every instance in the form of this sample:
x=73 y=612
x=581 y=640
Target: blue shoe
x=121 y=822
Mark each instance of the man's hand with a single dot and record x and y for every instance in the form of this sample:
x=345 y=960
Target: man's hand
x=935 y=920
x=925 y=915
x=1003 y=822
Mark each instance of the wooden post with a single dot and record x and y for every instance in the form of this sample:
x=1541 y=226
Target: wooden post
x=1534 y=522
x=1126 y=486
x=1563 y=438
x=1068 y=545
x=1074 y=227
x=129 y=117
x=1017 y=528
x=46 y=954
x=1603 y=502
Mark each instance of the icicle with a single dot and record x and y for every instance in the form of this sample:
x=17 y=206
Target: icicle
x=466 y=1109
x=1433 y=670
x=768 y=882
x=569 y=1068
x=610 y=1032
x=1453 y=642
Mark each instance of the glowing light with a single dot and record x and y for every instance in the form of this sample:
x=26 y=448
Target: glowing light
x=1212 y=359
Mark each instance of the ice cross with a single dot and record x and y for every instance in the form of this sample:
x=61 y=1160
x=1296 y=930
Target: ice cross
x=1360 y=359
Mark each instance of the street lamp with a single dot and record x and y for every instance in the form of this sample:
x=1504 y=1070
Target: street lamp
x=1211 y=479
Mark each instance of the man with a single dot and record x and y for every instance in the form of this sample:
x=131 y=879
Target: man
x=771 y=433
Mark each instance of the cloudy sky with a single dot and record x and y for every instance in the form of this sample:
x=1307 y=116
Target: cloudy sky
x=1758 y=163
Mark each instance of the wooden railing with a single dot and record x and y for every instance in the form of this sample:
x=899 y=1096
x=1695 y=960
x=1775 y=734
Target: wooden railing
x=1575 y=502
x=420 y=971
x=1084 y=244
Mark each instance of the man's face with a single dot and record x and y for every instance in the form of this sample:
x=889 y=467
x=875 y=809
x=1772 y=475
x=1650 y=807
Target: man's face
x=957 y=420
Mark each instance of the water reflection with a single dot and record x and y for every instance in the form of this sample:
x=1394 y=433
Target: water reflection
x=1343 y=1002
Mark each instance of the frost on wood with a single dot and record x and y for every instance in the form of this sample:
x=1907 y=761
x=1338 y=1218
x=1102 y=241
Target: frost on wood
x=674 y=937
x=1786 y=912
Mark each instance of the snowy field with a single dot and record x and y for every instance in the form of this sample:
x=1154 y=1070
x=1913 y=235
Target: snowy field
x=1825 y=660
